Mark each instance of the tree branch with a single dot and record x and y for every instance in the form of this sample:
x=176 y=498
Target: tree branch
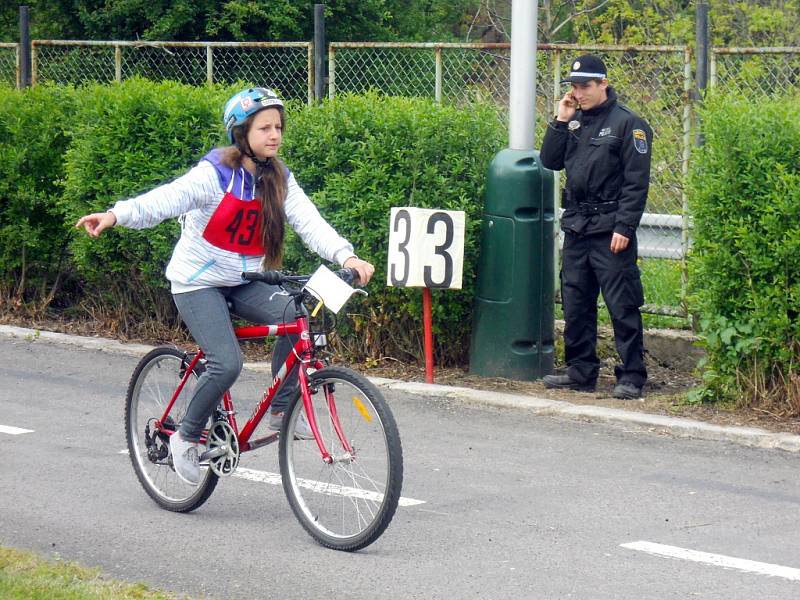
x=577 y=14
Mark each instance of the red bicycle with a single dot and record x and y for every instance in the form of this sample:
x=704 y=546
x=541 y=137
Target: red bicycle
x=343 y=486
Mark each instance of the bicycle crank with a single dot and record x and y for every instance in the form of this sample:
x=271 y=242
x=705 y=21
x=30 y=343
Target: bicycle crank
x=223 y=449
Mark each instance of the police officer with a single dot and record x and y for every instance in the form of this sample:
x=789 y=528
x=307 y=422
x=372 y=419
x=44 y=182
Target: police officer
x=605 y=148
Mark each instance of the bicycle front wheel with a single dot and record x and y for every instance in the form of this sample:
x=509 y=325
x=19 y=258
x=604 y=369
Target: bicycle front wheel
x=152 y=385
x=347 y=503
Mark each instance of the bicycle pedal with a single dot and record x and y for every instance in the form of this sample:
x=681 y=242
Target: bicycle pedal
x=213 y=453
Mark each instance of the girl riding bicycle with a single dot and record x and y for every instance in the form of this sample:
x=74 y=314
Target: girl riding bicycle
x=232 y=207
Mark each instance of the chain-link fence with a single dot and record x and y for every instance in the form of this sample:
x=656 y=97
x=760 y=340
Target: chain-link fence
x=9 y=64
x=285 y=66
x=458 y=73
x=756 y=71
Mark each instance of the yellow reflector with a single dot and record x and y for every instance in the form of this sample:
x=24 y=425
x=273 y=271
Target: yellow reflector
x=362 y=409
x=316 y=308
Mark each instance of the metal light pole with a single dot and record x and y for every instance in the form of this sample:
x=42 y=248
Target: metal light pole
x=319 y=52
x=522 y=94
x=701 y=57
x=701 y=41
x=513 y=327
x=24 y=47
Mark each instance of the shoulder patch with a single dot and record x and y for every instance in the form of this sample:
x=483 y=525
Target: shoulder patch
x=640 y=141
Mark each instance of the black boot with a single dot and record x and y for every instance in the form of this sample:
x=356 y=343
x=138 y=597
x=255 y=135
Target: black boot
x=565 y=382
x=627 y=391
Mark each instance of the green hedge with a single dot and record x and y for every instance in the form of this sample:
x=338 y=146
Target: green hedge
x=33 y=139
x=745 y=200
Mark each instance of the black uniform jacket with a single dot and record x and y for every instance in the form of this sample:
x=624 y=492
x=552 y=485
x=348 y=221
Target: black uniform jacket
x=606 y=152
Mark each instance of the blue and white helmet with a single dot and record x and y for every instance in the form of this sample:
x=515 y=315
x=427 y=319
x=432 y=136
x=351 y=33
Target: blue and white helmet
x=247 y=103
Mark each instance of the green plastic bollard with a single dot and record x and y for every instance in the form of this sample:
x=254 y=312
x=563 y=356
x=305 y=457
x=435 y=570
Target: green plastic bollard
x=512 y=328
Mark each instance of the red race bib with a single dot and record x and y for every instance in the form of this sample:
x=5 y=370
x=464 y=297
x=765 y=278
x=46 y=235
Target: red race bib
x=236 y=226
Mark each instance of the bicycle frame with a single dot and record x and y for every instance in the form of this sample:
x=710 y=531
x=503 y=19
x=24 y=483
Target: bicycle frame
x=301 y=357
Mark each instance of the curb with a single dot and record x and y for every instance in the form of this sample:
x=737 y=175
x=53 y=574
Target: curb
x=677 y=426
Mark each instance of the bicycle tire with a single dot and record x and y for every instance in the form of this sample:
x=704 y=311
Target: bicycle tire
x=152 y=384
x=347 y=504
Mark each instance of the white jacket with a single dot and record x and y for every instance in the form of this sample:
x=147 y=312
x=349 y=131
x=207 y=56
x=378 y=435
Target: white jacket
x=194 y=197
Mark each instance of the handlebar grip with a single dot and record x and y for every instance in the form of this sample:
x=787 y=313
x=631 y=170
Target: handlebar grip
x=349 y=276
x=270 y=277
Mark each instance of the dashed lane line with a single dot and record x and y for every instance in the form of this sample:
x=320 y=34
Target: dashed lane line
x=14 y=430
x=719 y=560
x=318 y=486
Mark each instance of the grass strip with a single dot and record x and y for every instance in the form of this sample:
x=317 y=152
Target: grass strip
x=26 y=576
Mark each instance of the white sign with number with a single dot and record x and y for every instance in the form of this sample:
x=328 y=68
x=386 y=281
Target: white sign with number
x=426 y=248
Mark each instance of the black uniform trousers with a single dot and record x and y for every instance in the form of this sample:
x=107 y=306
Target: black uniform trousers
x=588 y=267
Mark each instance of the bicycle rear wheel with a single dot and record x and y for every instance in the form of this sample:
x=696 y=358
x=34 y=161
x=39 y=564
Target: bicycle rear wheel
x=154 y=380
x=348 y=503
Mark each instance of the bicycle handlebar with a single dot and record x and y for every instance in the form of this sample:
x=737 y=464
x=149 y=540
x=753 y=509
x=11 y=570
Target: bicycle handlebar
x=349 y=276
x=270 y=277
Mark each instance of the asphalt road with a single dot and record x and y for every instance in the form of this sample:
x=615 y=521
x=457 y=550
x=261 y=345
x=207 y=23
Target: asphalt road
x=515 y=505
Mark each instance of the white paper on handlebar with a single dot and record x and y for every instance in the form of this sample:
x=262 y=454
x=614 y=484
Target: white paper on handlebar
x=326 y=286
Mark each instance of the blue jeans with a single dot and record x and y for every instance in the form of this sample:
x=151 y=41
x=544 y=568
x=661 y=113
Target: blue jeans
x=208 y=318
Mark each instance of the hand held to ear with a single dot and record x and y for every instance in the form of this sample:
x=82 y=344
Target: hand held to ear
x=567 y=107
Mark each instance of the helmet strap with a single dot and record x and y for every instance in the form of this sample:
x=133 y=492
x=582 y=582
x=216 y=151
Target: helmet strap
x=261 y=164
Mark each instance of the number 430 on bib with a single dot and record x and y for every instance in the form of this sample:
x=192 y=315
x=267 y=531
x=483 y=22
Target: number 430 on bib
x=426 y=248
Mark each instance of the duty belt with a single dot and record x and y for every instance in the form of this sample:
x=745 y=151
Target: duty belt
x=597 y=208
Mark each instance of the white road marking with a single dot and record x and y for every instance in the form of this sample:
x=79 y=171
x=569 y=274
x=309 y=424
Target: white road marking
x=719 y=560
x=331 y=489
x=318 y=486
x=14 y=430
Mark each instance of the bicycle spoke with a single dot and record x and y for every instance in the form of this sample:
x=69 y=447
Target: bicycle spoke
x=357 y=499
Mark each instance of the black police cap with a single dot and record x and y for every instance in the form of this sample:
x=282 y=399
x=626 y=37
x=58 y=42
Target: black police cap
x=586 y=68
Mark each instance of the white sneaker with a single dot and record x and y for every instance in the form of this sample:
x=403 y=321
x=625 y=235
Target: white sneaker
x=302 y=430
x=185 y=458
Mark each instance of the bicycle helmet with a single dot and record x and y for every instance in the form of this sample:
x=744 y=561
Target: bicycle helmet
x=245 y=104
